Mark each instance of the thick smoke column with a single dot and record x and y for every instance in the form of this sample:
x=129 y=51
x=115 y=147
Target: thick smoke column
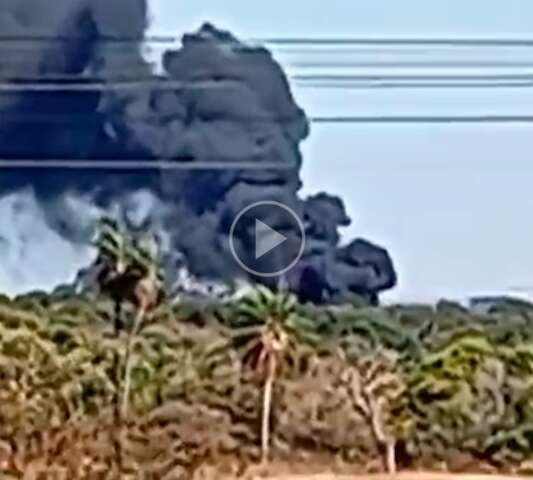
x=221 y=101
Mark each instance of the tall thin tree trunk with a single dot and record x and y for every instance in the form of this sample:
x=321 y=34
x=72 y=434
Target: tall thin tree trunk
x=391 y=457
x=128 y=359
x=267 y=404
x=117 y=427
x=379 y=432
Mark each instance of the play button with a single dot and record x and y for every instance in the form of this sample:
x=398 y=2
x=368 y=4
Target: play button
x=267 y=238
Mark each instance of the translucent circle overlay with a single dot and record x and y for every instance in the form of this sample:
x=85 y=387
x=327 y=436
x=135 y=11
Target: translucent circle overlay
x=277 y=205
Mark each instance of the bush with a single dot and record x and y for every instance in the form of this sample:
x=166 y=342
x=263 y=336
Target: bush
x=359 y=385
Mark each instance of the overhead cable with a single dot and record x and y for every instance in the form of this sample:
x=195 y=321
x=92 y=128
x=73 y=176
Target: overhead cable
x=314 y=81
x=404 y=41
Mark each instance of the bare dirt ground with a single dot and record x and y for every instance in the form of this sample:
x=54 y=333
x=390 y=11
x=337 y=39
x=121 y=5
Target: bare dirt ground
x=295 y=472
x=400 y=476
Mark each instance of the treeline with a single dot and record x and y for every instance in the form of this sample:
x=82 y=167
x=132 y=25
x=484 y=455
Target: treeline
x=120 y=381
x=261 y=376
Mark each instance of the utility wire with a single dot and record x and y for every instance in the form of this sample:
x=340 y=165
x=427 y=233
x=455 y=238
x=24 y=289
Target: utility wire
x=356 y=85
x=445 y=42
x=527 y=77
x=337 y=119
x=141 y=164
x=337 y=41
x=247 y=164
x=386 y=49
x=18 y=51
x=309 y=85
x=358 y=62
x=355 y=59
x=394 y=64
x=414 y=85
x=92 y=81
x=217 y=162
x=364 y=81
x=352 y=81
x=127 y=39
x=96 y=118
x=422 y=119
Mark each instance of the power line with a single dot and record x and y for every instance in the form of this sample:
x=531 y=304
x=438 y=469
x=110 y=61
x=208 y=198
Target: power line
x=191 y=164
x=417 y=119
x=452 y=42
x=127 y=39
x=413 y=85
x=363 y=81
x=96 y=86
x=432 y=63
x=393 y=49
x=247 y=164
x=96 y=118
x=141 y=164
x=337 y=64
x=528 y=77
x=398 y=50
x=365 y=41
x=310 y=80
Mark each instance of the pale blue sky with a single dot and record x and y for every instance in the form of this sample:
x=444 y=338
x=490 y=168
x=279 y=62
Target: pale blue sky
x=453 y=204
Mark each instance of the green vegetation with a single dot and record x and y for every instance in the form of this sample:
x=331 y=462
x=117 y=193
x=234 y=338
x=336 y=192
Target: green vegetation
x=258 y=377
x=371 y=386
x=274 y=325
x=129 y=273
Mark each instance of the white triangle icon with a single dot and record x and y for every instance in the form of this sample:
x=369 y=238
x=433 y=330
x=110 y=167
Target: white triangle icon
x=266 y=238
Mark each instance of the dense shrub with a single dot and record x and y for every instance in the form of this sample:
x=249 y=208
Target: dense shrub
x=361 y=385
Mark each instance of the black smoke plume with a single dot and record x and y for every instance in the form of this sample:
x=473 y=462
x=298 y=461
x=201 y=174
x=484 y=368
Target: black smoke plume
x=219 y=101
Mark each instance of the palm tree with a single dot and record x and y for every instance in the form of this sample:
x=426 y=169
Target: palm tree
x=128 y=272
x=271 y=322
x=110 y=265
x=145 y=293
